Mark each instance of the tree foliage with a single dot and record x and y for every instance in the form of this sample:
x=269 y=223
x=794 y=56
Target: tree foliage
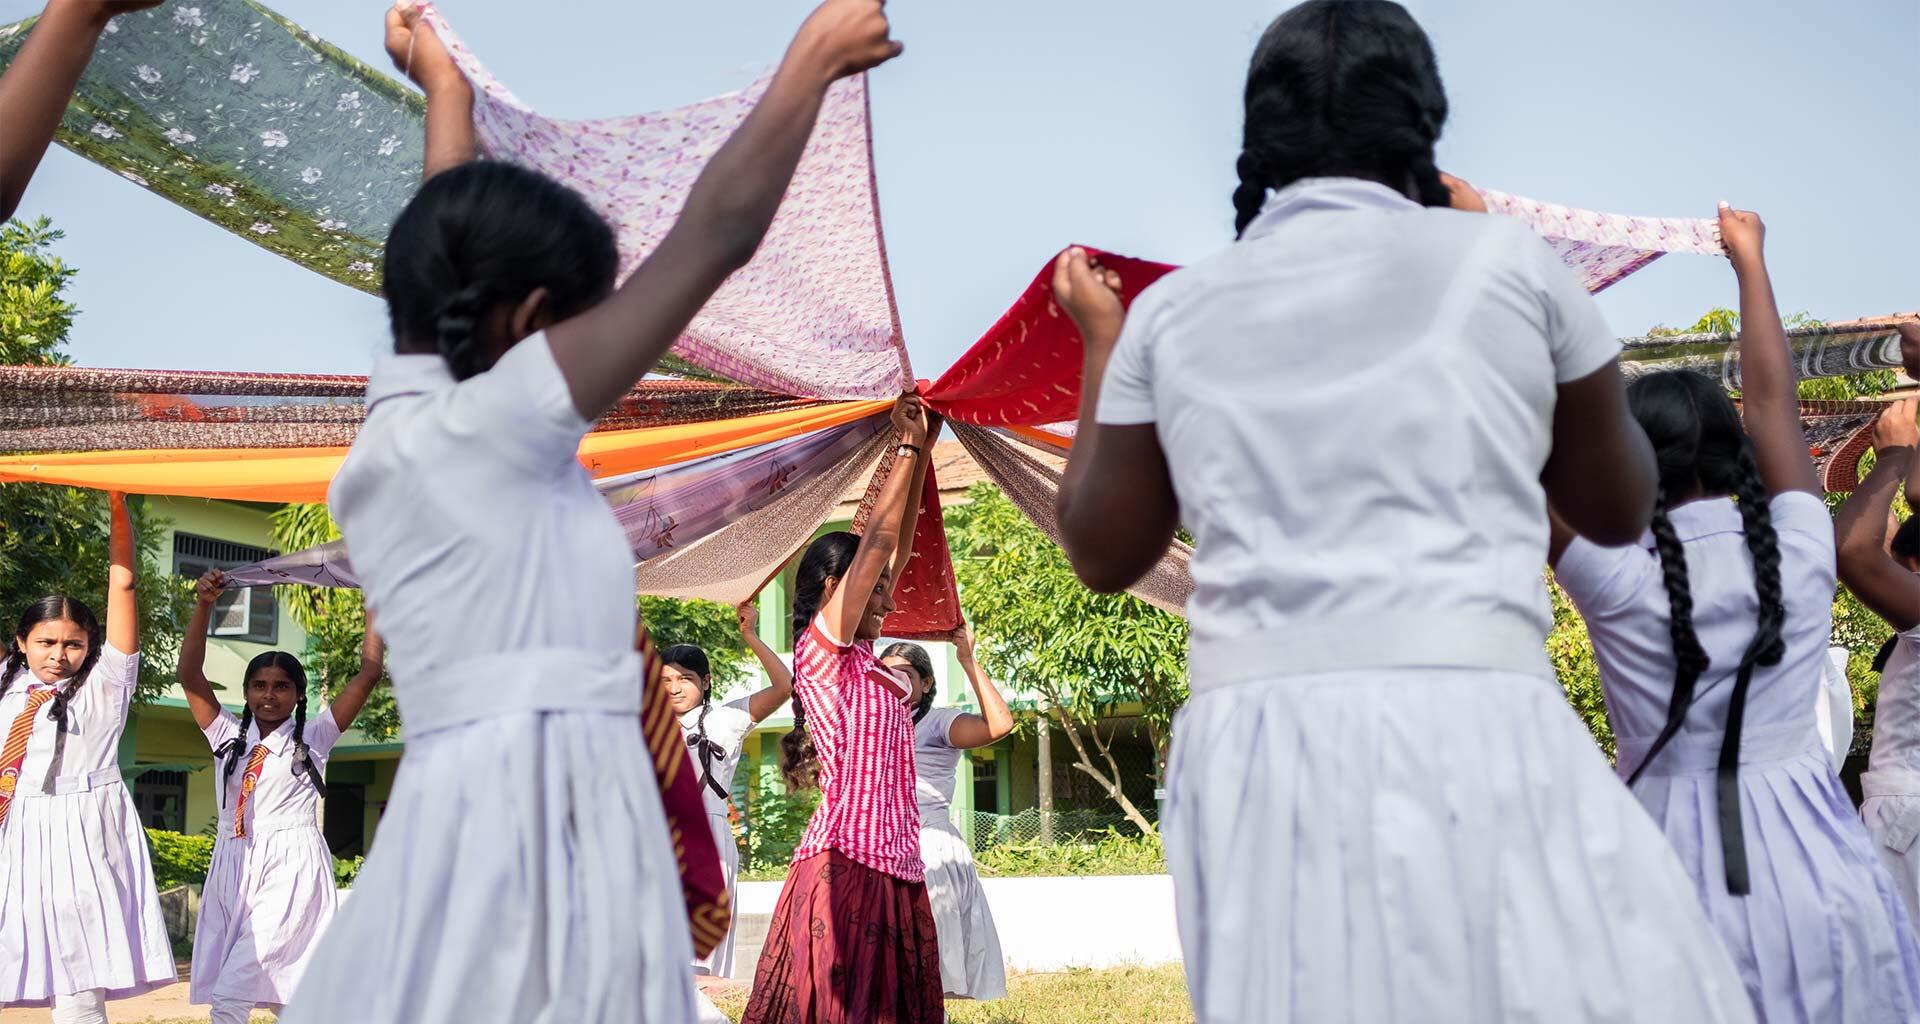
x=1085 y=654
x=53 y=540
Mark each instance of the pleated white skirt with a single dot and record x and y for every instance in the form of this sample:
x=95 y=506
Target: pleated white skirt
x=971 y=964
x=78 y=908
x=719 y=963
x=522 y=873
x=1446 y=845
x=267 y=902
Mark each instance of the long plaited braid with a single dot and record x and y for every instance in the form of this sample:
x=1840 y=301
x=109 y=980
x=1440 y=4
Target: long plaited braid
x=234 y=750
x=303 y=763
x=1690 y=658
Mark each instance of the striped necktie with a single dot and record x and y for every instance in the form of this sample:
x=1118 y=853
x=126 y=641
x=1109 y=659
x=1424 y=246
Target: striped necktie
x=15 y=752
x=247 y=782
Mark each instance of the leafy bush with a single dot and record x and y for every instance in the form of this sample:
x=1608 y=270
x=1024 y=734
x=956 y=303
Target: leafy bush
x=776 y=821
x=179 y=859
x=1112 y=854
x=345 y=871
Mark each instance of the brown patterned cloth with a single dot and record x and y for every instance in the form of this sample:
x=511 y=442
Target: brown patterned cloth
x=1836 y=349
x=731 y=564
x=67 y=409
x=1034 y=486
x=848 y=945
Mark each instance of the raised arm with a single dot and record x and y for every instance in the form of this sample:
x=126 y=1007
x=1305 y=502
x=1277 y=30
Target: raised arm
x=373 y=655
x=766 y=700
x=193 y=650
x=994 y=720
x=1860 y=530
x=419 y=55
x=603 y=351
x=123 y=604
x=1770 y=405
x=910 y=513
x=1117 y=511
x=35 y=89
x=873 y=559
x=1600 y=478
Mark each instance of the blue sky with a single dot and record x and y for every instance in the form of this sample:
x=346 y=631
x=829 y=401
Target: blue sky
x=1012 y=127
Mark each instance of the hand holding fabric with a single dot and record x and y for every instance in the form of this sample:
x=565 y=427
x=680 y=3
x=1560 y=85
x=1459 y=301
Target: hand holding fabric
x=1742 y=232
x=1090 y=294
x=1897 y=426
x=847 y=37
x=1462 y=196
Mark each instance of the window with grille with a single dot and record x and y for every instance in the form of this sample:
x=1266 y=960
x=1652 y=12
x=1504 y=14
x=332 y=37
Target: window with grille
x=161 y=799
x=245 y=613
x=986 y=784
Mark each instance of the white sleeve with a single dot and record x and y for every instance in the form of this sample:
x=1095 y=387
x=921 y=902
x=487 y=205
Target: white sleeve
x=1577 y=334
x=322 y=732
x=937 y=728
x=520 y=408
x=1602 y=580
x=1126 y=392
x=223 y=728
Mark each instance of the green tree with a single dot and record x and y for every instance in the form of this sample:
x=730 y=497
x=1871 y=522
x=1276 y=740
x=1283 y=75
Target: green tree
x=53 y=540
x=1083 y=653
x=336 y=620
x=34 y=314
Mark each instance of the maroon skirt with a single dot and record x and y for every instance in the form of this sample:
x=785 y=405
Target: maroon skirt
x=848 y=945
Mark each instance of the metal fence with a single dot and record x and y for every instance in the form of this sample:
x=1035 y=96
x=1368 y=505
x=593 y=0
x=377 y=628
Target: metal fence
x=985 y=830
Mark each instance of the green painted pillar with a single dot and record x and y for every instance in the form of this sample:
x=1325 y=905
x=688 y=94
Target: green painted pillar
x=125 y=754
x=959 y=693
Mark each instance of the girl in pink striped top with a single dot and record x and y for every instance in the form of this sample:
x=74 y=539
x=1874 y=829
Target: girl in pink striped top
x=857 y=868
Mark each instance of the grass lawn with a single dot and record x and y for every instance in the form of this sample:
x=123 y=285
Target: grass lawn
x=1121 y=995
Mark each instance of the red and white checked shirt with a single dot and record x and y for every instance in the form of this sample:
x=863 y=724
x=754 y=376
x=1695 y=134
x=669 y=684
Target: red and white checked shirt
x=864 y=736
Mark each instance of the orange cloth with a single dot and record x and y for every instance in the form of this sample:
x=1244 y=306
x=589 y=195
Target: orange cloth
x=302 y=474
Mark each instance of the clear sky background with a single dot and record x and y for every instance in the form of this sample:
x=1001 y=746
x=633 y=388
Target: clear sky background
x=1012 y=127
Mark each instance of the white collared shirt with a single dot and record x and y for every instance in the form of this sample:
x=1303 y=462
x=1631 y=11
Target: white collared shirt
x=475 y=531
x=278 y=793
x=1356 y=402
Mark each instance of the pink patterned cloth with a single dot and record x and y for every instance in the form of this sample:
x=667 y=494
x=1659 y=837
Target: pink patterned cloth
x=813 y=314
x=1605 y=247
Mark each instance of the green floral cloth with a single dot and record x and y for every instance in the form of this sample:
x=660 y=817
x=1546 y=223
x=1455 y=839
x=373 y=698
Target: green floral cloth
x=254 y=123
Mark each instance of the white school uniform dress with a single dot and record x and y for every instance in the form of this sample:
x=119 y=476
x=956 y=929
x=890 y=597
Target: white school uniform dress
x=1834 y=710
x=523 y=870
x=78 y=907
x=1821 y=935
x=269 y=894
x=1380 y=807
x=1891 y=784
x=971 y=965
x=727 y=727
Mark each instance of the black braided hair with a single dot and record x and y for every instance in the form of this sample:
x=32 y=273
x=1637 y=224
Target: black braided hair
x=54 y=608
x=916 y=656
x=1341 y=88
x=1905 y=545
x=475 y=241
x=1702 y=450
x=236 y=748
x=828 y=557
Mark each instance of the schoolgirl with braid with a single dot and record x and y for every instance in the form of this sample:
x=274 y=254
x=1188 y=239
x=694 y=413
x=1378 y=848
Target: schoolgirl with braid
x=714 y=736
x=80 y=919
x=1711 y=637
x=270 y=892
x=1380 y=807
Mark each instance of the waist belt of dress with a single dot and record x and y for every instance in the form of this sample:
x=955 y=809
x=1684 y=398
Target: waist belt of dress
x=516 y=682
x=268 y=824
x=66 y=785
x=1490 y=640
x=1698 y=753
